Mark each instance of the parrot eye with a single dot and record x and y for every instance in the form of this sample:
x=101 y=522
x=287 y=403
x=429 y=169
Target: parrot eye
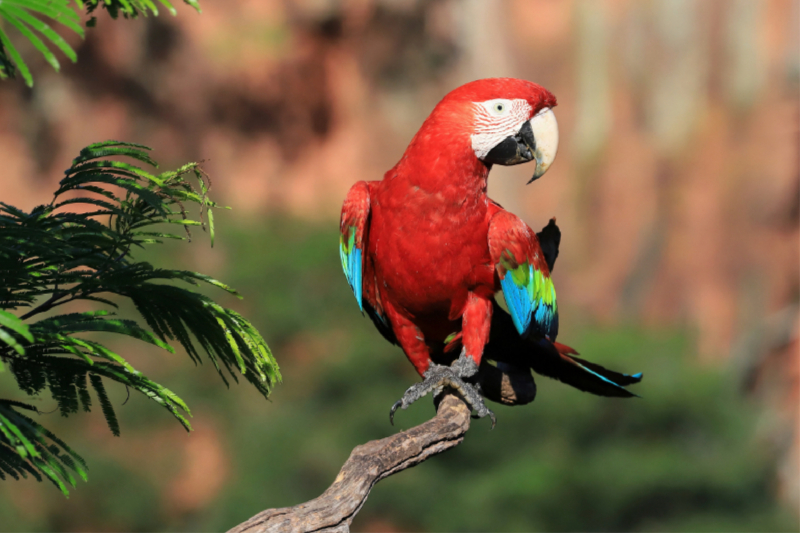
x=498 y=108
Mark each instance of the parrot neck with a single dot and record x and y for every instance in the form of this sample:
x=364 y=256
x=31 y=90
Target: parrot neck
x=440 y=170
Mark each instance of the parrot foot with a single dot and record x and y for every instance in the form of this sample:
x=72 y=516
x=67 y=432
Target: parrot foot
x=438 y=377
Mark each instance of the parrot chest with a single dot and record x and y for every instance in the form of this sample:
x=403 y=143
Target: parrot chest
x=429 y=252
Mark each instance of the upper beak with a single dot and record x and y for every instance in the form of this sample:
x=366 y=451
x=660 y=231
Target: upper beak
x=545 y=132
x=537 y=139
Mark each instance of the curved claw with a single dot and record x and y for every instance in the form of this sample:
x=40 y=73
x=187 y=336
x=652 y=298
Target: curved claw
x=394 y=408
x=491 y=417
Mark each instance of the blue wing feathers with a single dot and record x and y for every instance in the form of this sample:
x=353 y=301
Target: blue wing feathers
x=527 y=303
x=351 y=264
x=355 y=282
x=519 y=303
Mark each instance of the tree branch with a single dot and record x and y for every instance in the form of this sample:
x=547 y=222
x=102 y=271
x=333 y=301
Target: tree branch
x=368 y=464
x=334 y=510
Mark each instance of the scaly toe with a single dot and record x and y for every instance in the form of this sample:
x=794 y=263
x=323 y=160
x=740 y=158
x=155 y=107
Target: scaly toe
x=472 y=395
x=436 y=379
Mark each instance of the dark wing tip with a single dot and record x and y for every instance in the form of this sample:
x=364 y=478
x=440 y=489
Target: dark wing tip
x=549 y=240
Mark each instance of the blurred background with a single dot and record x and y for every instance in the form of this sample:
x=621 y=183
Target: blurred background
x=677 y=189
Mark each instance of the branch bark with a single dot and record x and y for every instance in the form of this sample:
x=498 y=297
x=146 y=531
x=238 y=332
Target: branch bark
x=369 y=463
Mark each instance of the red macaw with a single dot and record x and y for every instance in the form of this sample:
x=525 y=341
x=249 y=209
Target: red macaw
x=425 y=249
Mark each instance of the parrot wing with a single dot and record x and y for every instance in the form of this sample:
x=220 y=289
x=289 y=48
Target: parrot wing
x=353 y=236
x=353 y=233
x=522 y=268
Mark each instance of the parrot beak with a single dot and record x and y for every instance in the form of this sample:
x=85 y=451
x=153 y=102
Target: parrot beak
x=515 y=149
x=537 y=140
x=545 y=132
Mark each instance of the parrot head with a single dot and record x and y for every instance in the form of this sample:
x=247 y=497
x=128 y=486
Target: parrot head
x=505 y=121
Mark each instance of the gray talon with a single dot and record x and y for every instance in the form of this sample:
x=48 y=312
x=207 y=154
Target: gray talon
x=438 y=377
x=396 y=405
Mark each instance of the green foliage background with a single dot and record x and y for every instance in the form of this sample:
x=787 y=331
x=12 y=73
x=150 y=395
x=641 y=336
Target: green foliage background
x=685 y=457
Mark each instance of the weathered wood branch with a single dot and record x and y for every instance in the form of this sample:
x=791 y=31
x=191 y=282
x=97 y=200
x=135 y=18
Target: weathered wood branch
x=369 y=463
x=335 y=509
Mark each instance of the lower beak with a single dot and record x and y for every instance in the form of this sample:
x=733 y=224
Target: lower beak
x=515 y=149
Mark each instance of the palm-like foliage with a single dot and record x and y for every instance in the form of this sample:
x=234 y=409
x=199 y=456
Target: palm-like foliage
x=30 y=17
x=53 y=255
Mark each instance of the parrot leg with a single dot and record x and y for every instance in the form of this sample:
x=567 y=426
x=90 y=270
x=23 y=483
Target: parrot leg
x=437 y=377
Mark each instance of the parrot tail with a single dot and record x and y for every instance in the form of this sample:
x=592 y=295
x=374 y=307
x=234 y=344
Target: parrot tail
x=558 y=361
x=553 y=359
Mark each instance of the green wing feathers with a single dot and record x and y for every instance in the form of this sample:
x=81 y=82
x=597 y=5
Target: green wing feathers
x=524 y=276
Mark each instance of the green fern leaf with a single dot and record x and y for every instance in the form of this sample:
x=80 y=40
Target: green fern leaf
x=9 y=49
x=10 y=16
x=43 y=28
x=20 y=14
x=105 y=404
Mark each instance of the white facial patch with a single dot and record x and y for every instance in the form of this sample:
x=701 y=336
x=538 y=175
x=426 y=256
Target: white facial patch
x=495 y=120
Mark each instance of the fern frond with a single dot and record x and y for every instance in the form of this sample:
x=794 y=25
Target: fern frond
x=60 y=325
x=26 y=447
x=134 y=8
x=10 y=325
x=51 y=256
x=28 y=18
x=105 y=404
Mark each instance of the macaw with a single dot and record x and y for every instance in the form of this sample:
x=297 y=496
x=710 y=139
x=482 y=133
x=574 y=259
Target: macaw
x=425 y=249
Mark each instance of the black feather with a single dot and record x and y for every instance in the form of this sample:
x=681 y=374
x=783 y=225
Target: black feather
x=549 y=240
x=539 y=354
x=383 y=327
